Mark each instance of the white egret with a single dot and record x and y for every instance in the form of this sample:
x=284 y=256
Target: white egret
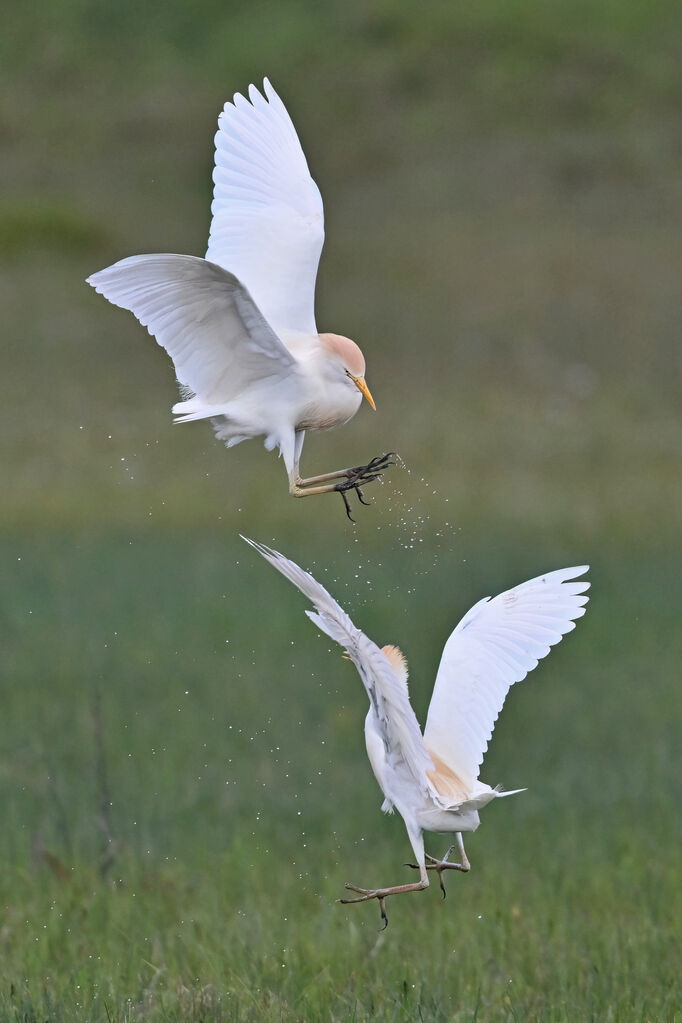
x=432 y=780
x=240 y=324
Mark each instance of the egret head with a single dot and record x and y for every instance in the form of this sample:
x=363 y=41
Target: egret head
x=345 y=355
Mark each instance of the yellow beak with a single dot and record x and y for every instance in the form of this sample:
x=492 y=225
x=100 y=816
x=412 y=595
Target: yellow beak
x=363 y=388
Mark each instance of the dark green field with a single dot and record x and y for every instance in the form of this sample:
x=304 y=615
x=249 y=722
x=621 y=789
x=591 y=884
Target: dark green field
x=183 y=783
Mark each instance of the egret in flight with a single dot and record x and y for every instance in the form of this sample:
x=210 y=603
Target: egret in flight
x=432 y=779
x=239 y=325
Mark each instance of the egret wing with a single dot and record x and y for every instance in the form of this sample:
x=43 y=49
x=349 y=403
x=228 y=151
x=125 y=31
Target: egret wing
x=496 y=644
x=205 y=319
x=386 y=691
x=268 y=221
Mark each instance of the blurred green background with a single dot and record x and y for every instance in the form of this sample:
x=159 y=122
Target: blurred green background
x=183 y=784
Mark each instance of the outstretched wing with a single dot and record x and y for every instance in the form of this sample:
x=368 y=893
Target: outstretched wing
x=205 y=319
x=496 y=644
x=387 y=691
x=268 y=221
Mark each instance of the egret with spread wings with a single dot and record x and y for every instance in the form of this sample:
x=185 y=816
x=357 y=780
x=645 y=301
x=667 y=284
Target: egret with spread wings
x=432 y=780
x=239 y=325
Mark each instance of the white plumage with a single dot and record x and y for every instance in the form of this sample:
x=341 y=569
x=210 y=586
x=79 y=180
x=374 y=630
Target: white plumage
x=433 y=780
x=240 y=324
x=495 y=645
x=268 y=220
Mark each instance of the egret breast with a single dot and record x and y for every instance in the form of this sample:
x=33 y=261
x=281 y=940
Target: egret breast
x=334 y=407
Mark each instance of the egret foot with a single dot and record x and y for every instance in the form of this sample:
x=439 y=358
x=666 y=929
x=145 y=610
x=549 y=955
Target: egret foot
x=360 y=475
x=382 y=893
x=440 y=865
x=348 y=479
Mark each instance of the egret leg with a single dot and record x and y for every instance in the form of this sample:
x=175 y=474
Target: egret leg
x=440 y=865
x=340 y=481
x=377 y=464
x=381 y=894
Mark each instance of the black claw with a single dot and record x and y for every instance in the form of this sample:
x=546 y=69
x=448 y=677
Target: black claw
x=359 y=476
x=373 y=469
x=442 y=886
x=383 y=916
x=380 y=462
x=356 y=479
x=345 y=501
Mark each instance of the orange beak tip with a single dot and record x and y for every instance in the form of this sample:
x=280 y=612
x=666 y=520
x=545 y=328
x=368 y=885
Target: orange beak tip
x=362 y=387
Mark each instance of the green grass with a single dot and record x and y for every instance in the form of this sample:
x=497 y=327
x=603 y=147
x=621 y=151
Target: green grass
x=242 y=799
x=502 y=204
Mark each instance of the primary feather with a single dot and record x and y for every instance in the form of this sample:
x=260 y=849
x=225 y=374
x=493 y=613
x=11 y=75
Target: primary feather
x=495 y=645
x=386 y=689
x=268 y=220
x=205 y=319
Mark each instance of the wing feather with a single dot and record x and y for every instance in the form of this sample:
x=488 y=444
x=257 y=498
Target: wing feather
x=495 y=645
x=268 y=220
x=386 y=690
x=205 y=319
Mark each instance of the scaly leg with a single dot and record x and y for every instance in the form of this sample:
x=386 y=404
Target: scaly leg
x=381 y=894
x=445 y=864
x=353 y=478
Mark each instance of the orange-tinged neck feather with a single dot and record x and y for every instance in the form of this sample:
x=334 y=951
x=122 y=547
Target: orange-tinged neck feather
x=396 y=658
